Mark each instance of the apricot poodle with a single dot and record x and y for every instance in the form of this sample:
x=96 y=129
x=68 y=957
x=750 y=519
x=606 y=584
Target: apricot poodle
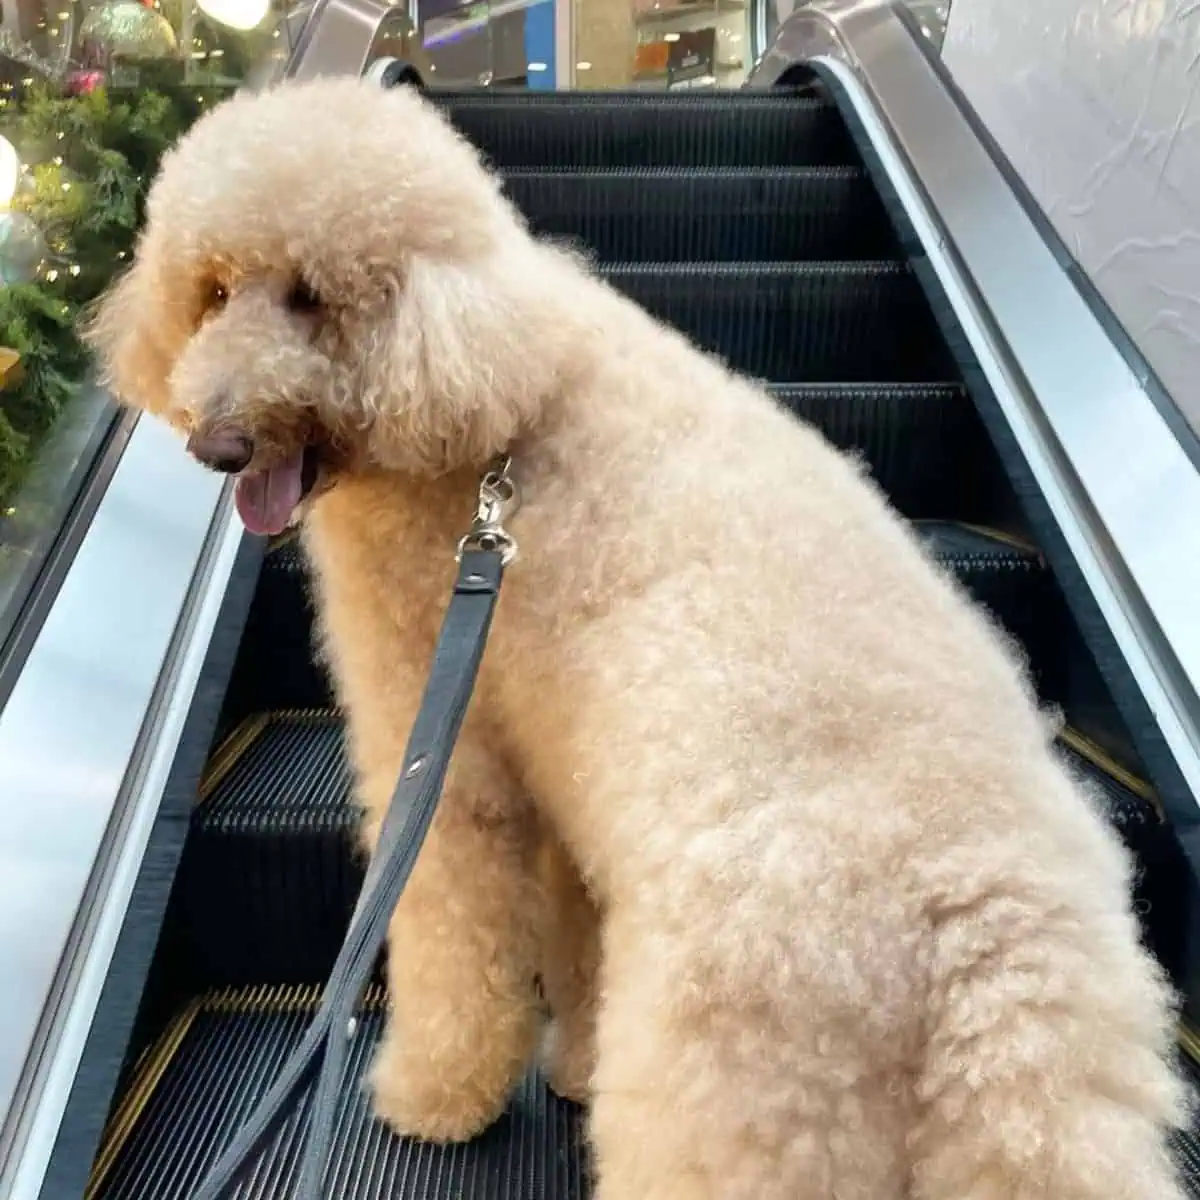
x=862 y=936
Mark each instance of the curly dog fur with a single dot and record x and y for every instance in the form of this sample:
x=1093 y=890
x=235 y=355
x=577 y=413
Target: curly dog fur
x=861 y=936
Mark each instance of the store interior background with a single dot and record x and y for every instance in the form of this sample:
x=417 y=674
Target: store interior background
x=546 y=44
x=586 y=44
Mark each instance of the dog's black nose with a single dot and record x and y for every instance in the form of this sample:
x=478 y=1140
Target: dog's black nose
x=227 y=450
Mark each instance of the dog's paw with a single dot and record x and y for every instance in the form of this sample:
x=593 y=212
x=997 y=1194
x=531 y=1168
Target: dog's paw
x=417 y=1101
x=568 y=1064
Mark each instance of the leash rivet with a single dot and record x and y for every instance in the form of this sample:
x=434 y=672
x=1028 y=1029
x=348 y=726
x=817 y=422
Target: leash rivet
x=416 y=767
x=351 y=1027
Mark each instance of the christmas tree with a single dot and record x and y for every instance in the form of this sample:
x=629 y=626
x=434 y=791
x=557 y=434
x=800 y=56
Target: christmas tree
x=81 y=135
x=92 y=155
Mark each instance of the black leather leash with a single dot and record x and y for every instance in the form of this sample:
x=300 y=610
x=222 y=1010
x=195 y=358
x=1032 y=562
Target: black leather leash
x=483 y=554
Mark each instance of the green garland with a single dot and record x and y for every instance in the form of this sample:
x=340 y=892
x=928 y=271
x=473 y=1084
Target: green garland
x=90 y=159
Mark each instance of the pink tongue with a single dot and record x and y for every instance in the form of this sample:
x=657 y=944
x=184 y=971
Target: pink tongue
x=266 y=500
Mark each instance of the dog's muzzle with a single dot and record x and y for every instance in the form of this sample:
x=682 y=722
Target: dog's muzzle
x=225 y=450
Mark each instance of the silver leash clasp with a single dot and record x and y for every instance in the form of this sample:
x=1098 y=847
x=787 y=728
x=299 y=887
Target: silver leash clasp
x=499 y=498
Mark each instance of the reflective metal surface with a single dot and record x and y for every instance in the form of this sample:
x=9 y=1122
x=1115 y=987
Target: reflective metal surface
x=1119 y=484
x=70 y=735
x=339 y=37
x=1095 y=104
x=930 y=16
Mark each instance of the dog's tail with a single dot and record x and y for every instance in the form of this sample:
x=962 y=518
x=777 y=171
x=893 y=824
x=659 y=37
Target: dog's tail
x=1047 y=1063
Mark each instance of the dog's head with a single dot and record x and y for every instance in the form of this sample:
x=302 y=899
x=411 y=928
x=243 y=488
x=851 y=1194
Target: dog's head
x=329 y=281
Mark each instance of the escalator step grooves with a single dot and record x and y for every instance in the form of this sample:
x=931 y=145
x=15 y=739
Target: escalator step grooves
x=271 y=871
x=1185 y=1146
x=797 y=322
x=1009 y=579
x=229 y=1055
x=731 y=215
x=1162 y=882
x=923 y=443
x=633 y=130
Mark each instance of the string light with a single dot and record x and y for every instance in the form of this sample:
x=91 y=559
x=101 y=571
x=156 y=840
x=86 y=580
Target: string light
x=10 y=172
x=236 y=14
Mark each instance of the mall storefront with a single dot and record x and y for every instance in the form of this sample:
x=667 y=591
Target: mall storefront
x=662 y=43
x=657 y=44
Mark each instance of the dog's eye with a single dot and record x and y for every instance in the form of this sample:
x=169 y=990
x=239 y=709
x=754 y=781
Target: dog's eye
x=302 y=298
x=215 y=298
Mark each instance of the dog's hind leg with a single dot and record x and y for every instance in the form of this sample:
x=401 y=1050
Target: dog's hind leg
x=706 y=1091
x=462 y=955
x=570 y=969
x=1045 y=1073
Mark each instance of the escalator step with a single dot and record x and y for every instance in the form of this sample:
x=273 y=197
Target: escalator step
x=1185 y=1146
x=731 y=215
x=624 y=129
x=797 y=322
x=1012 y=580
x=269 y=878
x=1162 y=882
x=200 y=1083
x=923 y=443
x=270 y=872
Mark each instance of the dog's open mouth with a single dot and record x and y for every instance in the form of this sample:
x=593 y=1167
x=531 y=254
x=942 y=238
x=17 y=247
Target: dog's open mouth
x=266 y=499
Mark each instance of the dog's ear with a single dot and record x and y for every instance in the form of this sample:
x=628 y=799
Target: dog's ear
x=134 y=328
x=474 y=353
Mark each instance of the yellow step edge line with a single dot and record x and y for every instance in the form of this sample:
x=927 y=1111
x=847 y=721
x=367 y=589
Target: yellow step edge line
x=1189 y=1041
x=158 y=1058
x=147 y=1077
x=230 y=752
x=1105 y=763
x=227 y=754
x=998 y=535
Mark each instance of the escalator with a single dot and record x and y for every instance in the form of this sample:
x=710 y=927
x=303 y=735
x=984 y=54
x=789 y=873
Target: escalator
x=749 y=222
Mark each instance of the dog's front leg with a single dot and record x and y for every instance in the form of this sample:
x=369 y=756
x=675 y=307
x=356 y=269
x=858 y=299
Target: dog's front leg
x=462 y=956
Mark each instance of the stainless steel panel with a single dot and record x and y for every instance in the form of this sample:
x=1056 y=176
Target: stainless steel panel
x=82 y=742
x=1095 y=104
x=339 y=36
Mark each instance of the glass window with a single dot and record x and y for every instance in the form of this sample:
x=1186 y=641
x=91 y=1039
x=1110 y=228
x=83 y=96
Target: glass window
x=92 y=92
x=468 y=43
x=662 y=44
